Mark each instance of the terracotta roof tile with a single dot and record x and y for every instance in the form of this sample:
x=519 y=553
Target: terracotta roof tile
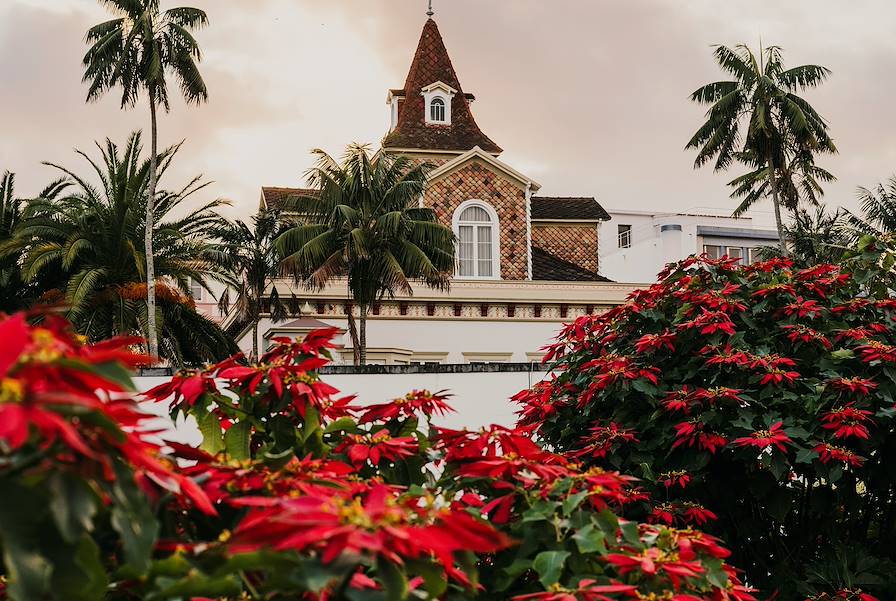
x=274 y=197
x=567 y=207
x=547 y=266
x=431 y=64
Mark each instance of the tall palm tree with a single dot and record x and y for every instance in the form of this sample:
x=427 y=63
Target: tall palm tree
x=878 y=207
x=93 y=233
x=135 y=51
x=757 y=118
x=365 y=224
x=252 y=264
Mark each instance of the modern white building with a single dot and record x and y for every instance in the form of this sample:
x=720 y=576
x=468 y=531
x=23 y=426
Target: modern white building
x=636 y=244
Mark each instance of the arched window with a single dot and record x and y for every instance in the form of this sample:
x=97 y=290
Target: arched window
x=476 y=226
x=437 y=110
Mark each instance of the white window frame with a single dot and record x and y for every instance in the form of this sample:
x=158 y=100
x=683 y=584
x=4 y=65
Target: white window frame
x=495 y=226
x=445 y=93
x=195 y=284
x=625 y=236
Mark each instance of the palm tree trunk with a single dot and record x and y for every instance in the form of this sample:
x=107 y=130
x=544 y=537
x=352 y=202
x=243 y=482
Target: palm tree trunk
x=776 y=202
x=362 y=347
x=150 y=209
x=255 y=339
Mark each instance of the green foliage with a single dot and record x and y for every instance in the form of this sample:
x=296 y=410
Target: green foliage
x=365 y=223
x=91 y=234
x=758 y=119
x=757 y=400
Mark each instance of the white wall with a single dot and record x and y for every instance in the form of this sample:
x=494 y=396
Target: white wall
x=455 y=337
x=479 y=399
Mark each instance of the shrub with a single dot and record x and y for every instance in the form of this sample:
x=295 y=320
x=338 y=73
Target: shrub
x=296 y=493
x=756 y=401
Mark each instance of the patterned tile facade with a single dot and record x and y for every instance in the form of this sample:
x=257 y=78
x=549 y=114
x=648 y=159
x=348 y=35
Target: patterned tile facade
x=576 y=243
x=475 y=180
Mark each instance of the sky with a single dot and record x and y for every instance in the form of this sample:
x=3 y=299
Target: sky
x=587 y=97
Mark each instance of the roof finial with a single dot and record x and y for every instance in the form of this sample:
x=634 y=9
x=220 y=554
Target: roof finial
x=429 y=12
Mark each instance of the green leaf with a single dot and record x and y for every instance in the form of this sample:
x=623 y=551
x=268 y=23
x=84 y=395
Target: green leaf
x=590 y=540
x=394 y=582
x=78 y=572
x=571 y=502
x=434 y=580
x=72 y=505
x=549 y=565
x=210 y=427
x=236 y=441
x=340 y=425
x=132 y=518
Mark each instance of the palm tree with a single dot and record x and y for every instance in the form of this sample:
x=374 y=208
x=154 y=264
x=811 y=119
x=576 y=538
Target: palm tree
x=799 y=183
x=11 y=285
x=878 y=210
x=93 y=233
x=252 y=264
x=365 y=224
x=757 y=118
x=134 y=51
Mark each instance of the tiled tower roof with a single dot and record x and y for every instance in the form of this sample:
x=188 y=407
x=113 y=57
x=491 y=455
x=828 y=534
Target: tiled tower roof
x=431 y=64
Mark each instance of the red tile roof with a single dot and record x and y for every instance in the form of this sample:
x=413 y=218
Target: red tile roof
x=431 y=64
x=274 y=197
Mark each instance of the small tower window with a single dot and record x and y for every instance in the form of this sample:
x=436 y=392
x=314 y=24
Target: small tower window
x=437 y=110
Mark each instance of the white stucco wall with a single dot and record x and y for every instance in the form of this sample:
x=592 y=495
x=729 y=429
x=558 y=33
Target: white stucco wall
x=520 y=339
x=479 y=399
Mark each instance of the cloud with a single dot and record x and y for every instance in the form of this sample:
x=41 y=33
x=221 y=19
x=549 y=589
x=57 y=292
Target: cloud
x=586 y=97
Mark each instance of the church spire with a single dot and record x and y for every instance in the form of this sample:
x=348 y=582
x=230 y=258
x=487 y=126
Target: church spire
x=431 y=79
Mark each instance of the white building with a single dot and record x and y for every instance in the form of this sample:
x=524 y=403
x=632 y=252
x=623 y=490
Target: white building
x=636 y=245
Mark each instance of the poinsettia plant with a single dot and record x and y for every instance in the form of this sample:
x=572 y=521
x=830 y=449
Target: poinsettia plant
x=299 y=493
x=754 y=401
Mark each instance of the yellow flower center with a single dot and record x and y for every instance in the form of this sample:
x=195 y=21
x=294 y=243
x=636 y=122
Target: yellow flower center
x=11 y=391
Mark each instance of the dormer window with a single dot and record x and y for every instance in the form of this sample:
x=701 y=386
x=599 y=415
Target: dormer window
x=437 y=110
x=437 y=103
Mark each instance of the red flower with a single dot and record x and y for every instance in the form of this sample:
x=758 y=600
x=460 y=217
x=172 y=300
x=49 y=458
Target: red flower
x=851 y=306
x=653 y=561
x=786 y=289
x=374 y=522
x=854 y=384
x=719 y=393
x=827 y=452
x=762 y=439
x=847 y=421
x=675 y=478
x=654 y=342
x=857 y=334
x=710 y=322
x=803 y=308
x=602 y=439
x=679 y=400
x=725 y=355
x=185 y=387
x=876 y=351
x=586 y=590
x=801 y=333
x=360 y=448
x=691 y=433
x=421 y=401
x=779 y=376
